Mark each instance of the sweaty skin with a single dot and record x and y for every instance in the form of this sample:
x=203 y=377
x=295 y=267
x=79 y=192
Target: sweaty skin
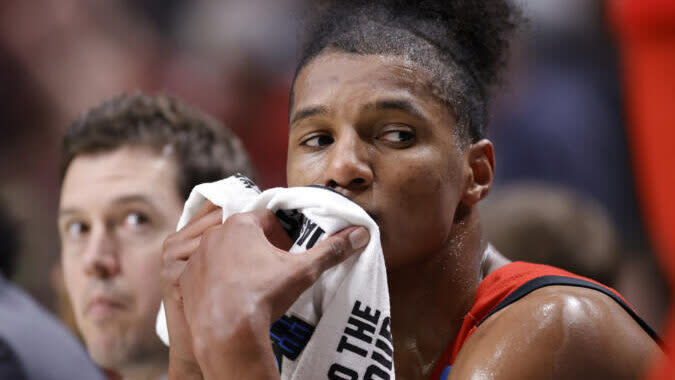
x=370 y=127
x=557 y=332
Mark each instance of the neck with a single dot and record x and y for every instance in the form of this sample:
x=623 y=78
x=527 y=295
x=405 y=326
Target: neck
x=430 y=298
x=148 y=370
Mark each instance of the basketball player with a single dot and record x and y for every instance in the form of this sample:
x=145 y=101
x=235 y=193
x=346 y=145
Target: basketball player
x=389 y=108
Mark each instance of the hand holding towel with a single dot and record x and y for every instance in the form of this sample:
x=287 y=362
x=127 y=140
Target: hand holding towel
x=339 y=328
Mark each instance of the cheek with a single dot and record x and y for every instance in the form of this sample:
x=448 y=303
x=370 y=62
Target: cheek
x=425 y=196
x=73 y=278
x=303 y=170
x=421 y=197
x=423 y=181
x=141 y=272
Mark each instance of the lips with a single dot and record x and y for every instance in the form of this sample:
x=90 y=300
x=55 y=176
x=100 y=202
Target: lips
x=102 y=307
x=372 y=213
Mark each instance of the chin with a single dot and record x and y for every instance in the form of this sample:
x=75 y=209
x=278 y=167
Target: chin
x=111 y=356
x=107 y=348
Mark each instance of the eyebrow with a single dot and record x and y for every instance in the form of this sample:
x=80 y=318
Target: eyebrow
x=68 y=211
x=308 y=112
x=121 y=200
x=133 y=198
x=386 y=104
x=398 y=104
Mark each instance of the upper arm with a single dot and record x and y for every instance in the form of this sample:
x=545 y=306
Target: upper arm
x=557 y=332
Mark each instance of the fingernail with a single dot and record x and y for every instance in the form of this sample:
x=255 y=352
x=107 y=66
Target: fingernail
x=359 y=238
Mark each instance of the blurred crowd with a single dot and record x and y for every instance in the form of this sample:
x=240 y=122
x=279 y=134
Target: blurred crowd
x=231 y=59
x=558 y=121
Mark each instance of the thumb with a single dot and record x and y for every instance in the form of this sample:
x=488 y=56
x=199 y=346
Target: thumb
x=337 y=248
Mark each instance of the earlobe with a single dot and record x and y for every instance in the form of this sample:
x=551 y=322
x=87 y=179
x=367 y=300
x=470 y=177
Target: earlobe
x=481 y=169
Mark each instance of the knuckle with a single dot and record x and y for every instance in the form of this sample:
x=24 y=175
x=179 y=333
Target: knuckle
x=210 y=234
x=167 y=258
x=214 y=216
x=246 y=219
x=337 y=250
x=168 y=279
x=306 y=275
x=266 y=216
x=182 y=279
x=168 y=242
x=238 y=218
x=170 y=273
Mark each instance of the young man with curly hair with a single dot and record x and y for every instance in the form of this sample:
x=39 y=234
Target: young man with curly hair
x=389 y=107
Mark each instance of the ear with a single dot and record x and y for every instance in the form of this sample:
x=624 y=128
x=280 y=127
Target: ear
x=480 y=166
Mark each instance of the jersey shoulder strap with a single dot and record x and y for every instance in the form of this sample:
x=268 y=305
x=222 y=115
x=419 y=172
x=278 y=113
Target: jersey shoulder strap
x=512 y=282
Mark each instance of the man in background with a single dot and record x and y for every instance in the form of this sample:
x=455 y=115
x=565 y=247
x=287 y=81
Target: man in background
x=128 y=166
x=547 y=224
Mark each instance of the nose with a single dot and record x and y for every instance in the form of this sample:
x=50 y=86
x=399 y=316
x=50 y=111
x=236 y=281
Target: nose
x=348 y=166
x=101 y=257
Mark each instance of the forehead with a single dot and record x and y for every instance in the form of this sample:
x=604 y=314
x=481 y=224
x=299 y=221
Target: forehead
x=335 y=76
x=99 y=179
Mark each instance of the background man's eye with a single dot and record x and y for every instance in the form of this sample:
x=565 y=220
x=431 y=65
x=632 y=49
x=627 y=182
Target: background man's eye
x=317 y=141
x=136 y=219
x=397 y=136
x=77 y=229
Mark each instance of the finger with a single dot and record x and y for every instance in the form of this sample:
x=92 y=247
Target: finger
x=189 y=267
x=274 y=232
x=180 y=250
x=172 y=273
x=197 y=226
x=186 y=284
x=204 y=209
x=337 y=248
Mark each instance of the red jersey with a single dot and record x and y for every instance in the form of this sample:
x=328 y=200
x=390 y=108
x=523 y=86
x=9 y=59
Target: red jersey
x=509 y=284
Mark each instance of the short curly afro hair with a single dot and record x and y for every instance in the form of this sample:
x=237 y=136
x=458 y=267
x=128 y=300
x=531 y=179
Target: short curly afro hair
x=462 y=43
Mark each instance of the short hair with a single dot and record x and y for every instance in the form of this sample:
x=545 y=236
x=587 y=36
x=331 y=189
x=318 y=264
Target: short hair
x=204 y=149
x=462 y=43
x=9 y=242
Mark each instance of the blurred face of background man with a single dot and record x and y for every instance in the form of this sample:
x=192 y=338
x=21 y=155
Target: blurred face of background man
x=128 y=165
x=116 y=208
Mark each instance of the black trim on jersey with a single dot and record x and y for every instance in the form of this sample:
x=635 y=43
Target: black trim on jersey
x=543 y=281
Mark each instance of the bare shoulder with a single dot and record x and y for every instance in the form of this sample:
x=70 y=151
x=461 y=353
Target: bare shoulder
x=557 y=332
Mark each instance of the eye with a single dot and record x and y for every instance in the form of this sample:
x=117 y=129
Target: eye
x=397 y=136
x=136 y=219
x=317 y=141
x=76 y=229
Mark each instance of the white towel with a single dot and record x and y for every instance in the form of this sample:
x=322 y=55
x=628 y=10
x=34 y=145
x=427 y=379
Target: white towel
x=340 y=327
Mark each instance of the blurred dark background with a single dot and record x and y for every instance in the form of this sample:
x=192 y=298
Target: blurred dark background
x=558 y=124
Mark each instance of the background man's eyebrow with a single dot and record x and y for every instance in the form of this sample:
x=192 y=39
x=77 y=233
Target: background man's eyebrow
x=134 y=198
x=397 y=104
x=309 y=111
x=67 y=211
